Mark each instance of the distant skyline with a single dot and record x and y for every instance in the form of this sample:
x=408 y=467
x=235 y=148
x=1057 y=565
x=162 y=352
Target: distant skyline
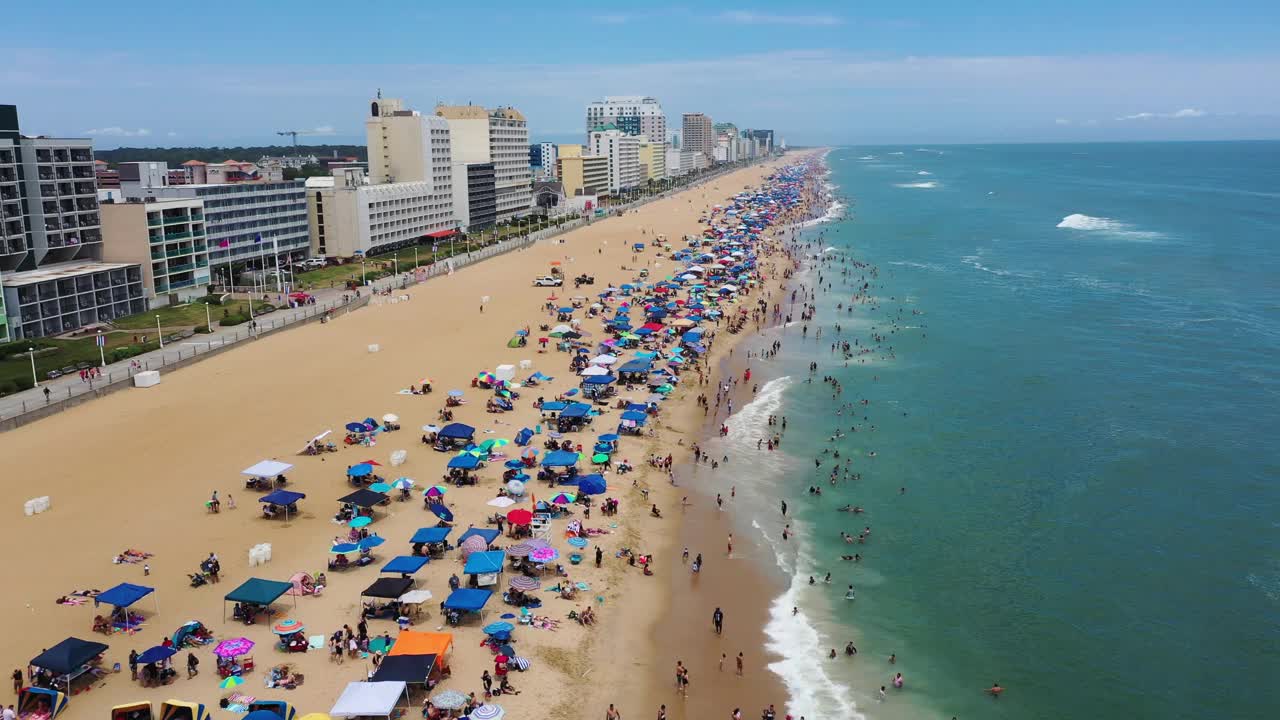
x=815 y=73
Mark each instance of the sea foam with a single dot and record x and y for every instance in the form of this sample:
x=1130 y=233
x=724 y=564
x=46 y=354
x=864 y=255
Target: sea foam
x=926 y=185
x=924 y=172
x=1105 y=226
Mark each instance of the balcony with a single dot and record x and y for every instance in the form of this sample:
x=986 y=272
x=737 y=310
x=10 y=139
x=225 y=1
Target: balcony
x=181 y=284
x=202 y=262
x=81 y=156
x=171 y=219
x=177 y=236
x=181 y=268
x=162 y=286
x=154 y=221
x=200 y=248
x=177 y=253
x=157 y=255
x=45 y=174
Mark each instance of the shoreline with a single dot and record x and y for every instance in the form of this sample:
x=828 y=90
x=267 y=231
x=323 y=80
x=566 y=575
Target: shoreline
x=140 y=467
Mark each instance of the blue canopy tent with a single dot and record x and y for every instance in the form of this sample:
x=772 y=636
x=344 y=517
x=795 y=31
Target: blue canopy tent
x=464 y=462
x=592 y=485
x=597 y=380
x=430 y=535
x=32 y=699
x=551 y=407
x=635 y=416
x=468 y=600
x=405 y=564
x=560 y=458
x=457 y=431
x=576 y=410
x=283 y=498
x=256 y=591
x=124 y=595
x=487 y=534
x=490 y=561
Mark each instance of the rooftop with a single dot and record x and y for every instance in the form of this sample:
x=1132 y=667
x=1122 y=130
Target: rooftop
x=59 y=271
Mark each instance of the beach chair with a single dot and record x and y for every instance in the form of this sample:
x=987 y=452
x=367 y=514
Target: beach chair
x=246 y=664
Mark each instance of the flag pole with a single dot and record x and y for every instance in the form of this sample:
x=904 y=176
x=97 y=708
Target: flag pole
x=275 y=250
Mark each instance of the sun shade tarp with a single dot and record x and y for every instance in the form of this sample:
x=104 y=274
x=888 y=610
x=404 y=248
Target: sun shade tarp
x=468 y=599
x=364 y=497
x=488 y=534
x=257 y=591
x=410 y=642
x=68 y=655
x=405 y=564
x=560 y=458
x=376 y=699
x=405 y=668
x=576 y=410
x=267 y=468
x=464 y=462
x=282 y=497
x=388 y=588
x=430 y=535
x=124 y=594
x=485 y=562
x=456 y=431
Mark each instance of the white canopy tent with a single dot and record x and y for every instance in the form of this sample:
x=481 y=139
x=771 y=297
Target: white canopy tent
x=594 y=370
x=267 y=468
x=369 y=699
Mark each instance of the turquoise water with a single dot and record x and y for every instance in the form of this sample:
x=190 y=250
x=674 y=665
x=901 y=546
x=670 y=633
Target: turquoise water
x=1083 y=418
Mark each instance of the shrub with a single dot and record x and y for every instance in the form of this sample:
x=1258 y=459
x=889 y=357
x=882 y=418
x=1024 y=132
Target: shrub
x=229 y=320
x=203 y=329
x=23 y=383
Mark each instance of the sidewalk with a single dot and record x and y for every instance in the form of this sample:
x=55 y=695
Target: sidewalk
x=68 y=391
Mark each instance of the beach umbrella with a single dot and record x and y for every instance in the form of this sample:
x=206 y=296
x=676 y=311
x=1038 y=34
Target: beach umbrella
x=544 y=555
x=600 y=458
x=360 y=522
x=356 y=427
x=231 y=681
x=524 y=583
x=431 y=428
x=498 y=627
x=592 y=485
x=538 y=543
x=287 y=626
x=502 y=502
x=578 y=542
x=233 y=647
x=515 y=487
x=344 y=548
x=473 y=544
x=380 y=487
x=563 y=499
x=455 y=393
x=520 y=663
x=436 y=491
x=156 y=654
x=520 y=516
x=361 y=470
x=520 y=550
x=372 y=462
x=506 y=650
x=608 y=437
x=403 y=483
x=512 y=464
x=371 y=542
x=529 y=453
x=390 y=418
x=441 y=512
x=488 y=712
x=449 y=700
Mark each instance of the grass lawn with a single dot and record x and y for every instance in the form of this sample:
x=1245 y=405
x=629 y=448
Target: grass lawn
x=181 y=316
x=57 y=354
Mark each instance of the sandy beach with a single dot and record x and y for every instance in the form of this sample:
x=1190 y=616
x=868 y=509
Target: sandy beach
x=134 y=471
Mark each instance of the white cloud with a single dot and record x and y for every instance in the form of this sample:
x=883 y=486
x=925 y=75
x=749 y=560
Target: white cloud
x=118 y=132
x=171 y=134
x=1177 y=114
x=323 y=130
x=1061 y=121
x=611 y=19
x=747 y=17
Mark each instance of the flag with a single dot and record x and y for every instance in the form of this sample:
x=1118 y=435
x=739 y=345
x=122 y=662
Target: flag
x=101 y=340
x=224 y=243
x=257 y=238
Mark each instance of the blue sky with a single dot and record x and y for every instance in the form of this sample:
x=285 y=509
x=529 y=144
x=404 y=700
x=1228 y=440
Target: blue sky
x=234 y=72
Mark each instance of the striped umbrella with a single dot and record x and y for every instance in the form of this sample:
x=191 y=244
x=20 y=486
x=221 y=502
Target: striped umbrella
x=521 y=663
x=287 y=627
x=525 y=583
x=437 y=491
x=473 y=544
x=231 y=681
x=488 y=712
x=538 y=543
x=449 y=700
x=403 y=483
x=233 y=647
x=519 y=550
x=544 y=555
x=563 y=498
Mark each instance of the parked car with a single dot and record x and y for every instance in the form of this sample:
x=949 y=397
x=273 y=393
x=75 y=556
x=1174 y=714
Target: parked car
x=548 y=281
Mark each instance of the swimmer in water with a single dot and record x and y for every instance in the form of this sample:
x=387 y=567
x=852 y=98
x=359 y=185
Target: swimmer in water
x=849 y=593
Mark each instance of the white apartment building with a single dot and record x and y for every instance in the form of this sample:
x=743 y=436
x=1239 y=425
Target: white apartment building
x=167 y=238
x=406 y=146
x=698 y=134
x=548 y=154
x=501 y=137
x=683 y=162
x=623 y=153
x=632 y=114
x=350 y=217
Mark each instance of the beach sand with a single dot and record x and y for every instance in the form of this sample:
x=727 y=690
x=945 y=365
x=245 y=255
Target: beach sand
x=133 y=470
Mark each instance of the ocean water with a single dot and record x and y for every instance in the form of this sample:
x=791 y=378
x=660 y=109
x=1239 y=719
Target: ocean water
x=1081 y=404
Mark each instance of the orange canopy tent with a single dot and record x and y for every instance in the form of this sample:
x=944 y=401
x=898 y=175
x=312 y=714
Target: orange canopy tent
x=409 y=642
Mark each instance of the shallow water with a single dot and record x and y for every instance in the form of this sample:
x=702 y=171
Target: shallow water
x=1081 y=417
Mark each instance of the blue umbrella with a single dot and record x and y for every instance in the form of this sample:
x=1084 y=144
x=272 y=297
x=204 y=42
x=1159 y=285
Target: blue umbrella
x=372 y=541
x=441 y=512
x=498 y=627
x=513 y=464
x=360 y=470
x=355 y=427
x=344 y=548
x=608 y=437
x=360 y=522
x=380 y=487
x=571 y=392
x=156 y=654
x=592 y=485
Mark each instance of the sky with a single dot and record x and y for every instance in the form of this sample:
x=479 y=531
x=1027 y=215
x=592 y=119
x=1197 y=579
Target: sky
x=237 y=72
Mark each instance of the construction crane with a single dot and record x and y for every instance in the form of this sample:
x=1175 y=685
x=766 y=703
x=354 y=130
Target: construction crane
x=292 y=133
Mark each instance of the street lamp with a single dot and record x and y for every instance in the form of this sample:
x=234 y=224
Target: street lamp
x=208 y=320
x=415 y=257
x=35 y=379
x=363 y=279
x=102 y=355
x=159 y=333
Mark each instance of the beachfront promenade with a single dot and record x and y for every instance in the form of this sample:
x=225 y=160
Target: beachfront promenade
x=69 y=391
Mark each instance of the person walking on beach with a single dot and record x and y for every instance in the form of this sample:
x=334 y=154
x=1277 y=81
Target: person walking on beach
x=717 y=620
x=662 y=712
x=730 y=552
x=739 y=660
x=612 y=713
x=193 y=665
x=17 y=682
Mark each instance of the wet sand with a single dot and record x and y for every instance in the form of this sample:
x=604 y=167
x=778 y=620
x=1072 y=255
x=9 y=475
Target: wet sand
x=133 y=471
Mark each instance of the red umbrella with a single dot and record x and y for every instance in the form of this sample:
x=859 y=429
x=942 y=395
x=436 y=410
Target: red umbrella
x=519 y=516
x=373 y=462
x=501 y=659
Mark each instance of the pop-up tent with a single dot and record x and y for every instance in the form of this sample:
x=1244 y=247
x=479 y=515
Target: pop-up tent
x=410 y=669
x=428 y=536
x=485 y=562
x=183 y=710
x=267 y=468
x=279 y=707
x=388 y=588
x=371 y=699
x=464 y=462
x=284 y=498
x=468 y=600
x=34 y=702
x=405 y=564
x=69 y=658
x=411 y=642
x=363 y=497
x=256 y=591
x=488 y=534
x=560 y=458
x=124 y=595
x=457 y=431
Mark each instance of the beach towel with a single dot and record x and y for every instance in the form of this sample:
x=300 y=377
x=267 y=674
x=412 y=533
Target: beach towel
x=316 y=642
